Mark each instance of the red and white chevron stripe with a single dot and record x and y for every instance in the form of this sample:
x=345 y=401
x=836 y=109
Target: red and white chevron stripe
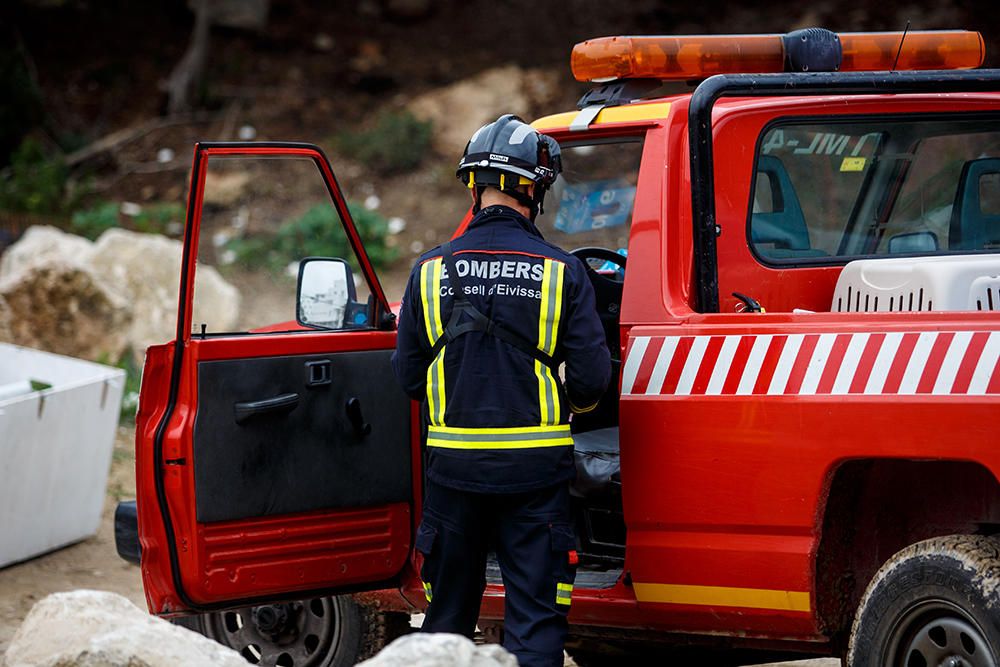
x=929 y=362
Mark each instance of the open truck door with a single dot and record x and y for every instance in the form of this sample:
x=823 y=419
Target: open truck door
x=274 y=447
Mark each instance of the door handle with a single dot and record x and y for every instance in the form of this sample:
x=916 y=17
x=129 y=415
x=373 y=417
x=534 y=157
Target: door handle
x=276 y=405
x=361 y=427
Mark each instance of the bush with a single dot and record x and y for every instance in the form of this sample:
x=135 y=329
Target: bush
x=396 y=142
x=34 y=182
x=317 y=232
x=151 y=219
x=93 y=222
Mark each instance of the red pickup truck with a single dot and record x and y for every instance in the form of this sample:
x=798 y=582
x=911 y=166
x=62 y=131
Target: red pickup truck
x=797 y=263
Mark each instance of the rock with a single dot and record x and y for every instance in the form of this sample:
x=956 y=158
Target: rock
x=100 y=629
x=145 y=268
x=41 y=246
x=440 y=650
x=66 y=308
x=6 y=332
x=95 y=300
x=458 y=110
x=225 y=188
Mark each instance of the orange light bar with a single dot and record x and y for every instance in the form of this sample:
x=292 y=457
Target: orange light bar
x=676 y=58
x=933 y=49
x=701 y=56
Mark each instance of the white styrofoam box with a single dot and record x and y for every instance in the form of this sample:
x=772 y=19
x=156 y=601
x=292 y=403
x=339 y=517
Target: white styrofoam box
x=55 y=450
x=950 y=282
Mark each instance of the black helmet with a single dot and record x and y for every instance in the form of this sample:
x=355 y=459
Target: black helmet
x=507 y=153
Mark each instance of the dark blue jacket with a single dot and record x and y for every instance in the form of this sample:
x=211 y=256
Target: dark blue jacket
x=498 y=418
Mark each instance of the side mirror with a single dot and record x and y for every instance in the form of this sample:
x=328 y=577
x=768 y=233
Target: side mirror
x=326 y=294
x=913 y=242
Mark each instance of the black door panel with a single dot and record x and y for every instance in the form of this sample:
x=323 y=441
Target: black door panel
x=282 y=459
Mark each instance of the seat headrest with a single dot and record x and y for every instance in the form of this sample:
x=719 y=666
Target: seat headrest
x=972 y=228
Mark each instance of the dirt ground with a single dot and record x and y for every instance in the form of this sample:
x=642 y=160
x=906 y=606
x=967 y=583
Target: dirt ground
x=94 y=563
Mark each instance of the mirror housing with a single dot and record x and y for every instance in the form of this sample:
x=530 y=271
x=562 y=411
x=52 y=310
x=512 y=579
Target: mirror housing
x=325 y=297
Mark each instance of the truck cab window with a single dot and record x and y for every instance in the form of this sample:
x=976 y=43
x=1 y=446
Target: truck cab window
x=834 y=191
x=261 y=218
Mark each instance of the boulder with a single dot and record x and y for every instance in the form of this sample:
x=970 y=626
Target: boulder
x=68 y=295
x=225 y=187
x=42 y=245
x=440 y=650
x=100 y=629
x=458 y=110
x=145 y=269
x=68 y=309
x=6 y=332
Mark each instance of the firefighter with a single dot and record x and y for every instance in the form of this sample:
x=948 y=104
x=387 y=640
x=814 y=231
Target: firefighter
x=486 y=321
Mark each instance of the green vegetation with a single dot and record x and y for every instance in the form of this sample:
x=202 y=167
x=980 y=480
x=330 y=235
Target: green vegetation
x=317 y=232
x=35 y=182
x=94 y=221
x=151 y=219
x=397 y=141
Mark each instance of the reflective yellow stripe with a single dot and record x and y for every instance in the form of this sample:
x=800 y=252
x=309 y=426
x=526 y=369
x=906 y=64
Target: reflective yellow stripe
x=543 y=389
x=564 y=593
x=519 y=437
x=435 y=388
x=549 y=312
x=721 y=596
x=540 y=368
x=508 y=430
x=430 y=297
x=557 y=312
x=621 y=114
x=585 y=410
x=428 y=593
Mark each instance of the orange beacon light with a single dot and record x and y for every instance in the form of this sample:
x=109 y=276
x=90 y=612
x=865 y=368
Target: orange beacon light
x=700 y=56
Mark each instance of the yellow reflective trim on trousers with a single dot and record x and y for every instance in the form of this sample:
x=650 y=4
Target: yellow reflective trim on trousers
x=430 y=296
x=428 y=593
x=722 y=596
x=499 y=438
x=564 y=593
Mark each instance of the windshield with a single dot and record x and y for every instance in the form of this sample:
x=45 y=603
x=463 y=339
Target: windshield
x=591 y=202
x=869 y=188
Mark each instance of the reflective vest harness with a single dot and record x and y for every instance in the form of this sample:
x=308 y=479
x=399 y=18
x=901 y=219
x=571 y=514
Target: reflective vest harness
x=466 y=318
x=477 y=321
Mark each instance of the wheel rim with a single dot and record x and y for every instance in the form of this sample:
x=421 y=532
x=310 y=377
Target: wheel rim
x=295 y=634
x=938 y=633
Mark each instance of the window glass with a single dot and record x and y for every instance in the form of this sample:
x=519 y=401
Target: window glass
x=814 y=175
x=854 y=189
x=260 y=218
x=591 y=202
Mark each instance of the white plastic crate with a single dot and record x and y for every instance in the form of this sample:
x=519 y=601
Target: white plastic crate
x=55 y=449
x=954 y=282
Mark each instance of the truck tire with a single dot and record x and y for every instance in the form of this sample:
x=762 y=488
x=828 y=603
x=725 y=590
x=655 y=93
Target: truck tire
x=933 y=603
x=324 y=632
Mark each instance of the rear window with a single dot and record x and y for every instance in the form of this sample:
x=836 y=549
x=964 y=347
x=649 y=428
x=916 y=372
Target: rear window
x=833 y=191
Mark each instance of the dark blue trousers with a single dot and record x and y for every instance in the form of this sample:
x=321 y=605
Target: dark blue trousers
x=532 y=536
